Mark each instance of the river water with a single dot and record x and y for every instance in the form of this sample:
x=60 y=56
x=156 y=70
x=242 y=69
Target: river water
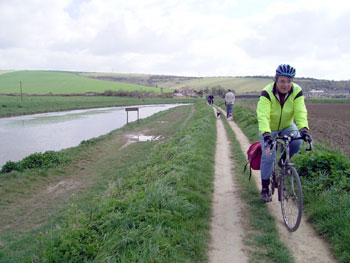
x=24 y=135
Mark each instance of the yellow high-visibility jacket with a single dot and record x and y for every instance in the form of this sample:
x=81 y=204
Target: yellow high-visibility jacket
x=272 y=115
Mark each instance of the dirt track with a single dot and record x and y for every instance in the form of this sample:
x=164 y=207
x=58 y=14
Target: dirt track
x=227 y=230
x=305 y=244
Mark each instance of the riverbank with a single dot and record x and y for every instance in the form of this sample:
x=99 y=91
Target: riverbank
x=38 y=133
x=15 y=105
x=113 y=170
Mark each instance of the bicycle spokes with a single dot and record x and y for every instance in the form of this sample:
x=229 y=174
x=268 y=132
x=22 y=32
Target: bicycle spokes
x=291 y=199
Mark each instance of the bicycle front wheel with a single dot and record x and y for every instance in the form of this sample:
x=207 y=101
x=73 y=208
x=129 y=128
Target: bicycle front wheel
x=291 y=198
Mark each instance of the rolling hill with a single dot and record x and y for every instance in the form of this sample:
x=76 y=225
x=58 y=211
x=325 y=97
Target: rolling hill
x=58 y=82
x=62 y=82
x=239 y=84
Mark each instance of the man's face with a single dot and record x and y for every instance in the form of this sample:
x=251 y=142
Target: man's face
x=284 y=84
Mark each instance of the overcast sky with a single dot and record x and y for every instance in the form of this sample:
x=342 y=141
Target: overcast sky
x=185 y=37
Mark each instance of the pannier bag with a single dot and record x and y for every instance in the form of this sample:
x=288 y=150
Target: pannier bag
x=254 y=157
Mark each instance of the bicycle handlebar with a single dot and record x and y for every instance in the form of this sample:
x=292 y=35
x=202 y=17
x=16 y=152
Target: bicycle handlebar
x=290 y=139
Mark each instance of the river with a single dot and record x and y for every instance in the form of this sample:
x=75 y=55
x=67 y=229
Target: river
x=24 y=135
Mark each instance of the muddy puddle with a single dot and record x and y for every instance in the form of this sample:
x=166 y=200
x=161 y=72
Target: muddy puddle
x=143 y=138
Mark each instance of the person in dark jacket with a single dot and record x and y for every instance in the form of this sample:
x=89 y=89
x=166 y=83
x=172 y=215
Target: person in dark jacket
x=211 y=100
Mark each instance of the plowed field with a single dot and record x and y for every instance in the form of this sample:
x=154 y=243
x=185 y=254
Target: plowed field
x=330 y=123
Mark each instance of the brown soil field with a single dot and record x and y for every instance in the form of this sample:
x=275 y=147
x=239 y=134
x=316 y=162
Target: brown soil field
x=330 y=124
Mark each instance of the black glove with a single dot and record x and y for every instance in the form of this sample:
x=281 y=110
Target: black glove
x=305 y=135
x=267 y=140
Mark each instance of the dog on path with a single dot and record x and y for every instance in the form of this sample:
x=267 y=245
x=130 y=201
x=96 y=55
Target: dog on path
x=218 y=114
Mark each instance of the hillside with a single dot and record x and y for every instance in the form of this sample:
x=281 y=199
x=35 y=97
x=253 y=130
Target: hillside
x=55 y=82
x=161 y=81
x=60 y=82
x=241 y=85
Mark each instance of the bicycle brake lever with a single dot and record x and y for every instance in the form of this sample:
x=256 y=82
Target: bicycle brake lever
x=311 y=148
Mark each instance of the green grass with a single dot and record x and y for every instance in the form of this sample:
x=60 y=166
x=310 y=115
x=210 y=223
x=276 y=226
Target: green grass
x=329 y=212
x=160 y=214
x=53 y=82
x=156 y=207
x=13 y=105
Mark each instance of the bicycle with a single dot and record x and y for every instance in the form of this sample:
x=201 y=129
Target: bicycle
x=288 y=183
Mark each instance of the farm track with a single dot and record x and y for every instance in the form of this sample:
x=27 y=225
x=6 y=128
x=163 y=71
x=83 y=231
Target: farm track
x=305 y=244
x=227 y=227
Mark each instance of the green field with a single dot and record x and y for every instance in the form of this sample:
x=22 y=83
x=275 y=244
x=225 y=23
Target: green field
x=238 y=84
x=5 y=71
x=52 y=82
x=64 y=82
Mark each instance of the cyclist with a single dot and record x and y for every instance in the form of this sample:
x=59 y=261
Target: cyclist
x=279 y=104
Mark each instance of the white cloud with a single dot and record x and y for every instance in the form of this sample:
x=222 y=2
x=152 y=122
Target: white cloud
x=293 y=33
x=190 y=37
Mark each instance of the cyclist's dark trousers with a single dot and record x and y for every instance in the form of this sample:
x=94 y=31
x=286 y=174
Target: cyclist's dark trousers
x=267 y=160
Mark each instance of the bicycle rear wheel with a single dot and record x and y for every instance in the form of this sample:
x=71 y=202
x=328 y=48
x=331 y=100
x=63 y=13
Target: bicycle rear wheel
x=291 y=198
